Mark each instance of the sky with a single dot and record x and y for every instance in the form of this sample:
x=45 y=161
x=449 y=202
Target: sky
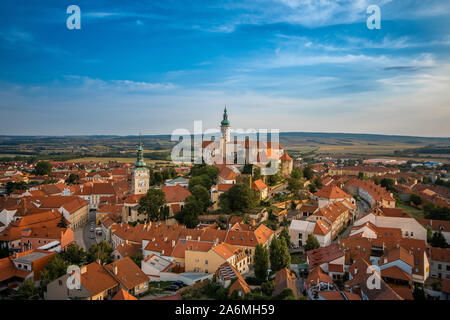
x=293 y=65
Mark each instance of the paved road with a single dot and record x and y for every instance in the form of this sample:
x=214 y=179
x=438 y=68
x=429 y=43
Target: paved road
x=83 y=235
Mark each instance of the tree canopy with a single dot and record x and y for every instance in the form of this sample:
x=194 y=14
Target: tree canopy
x=296 y=173
x=438 y=240
x=311 y=243
x=189 y=214
x=202 y=195
x=43 y=168
x=261 y=262
x=100 y=251
x=238 y=198
x=152 y=204
x=279 y=254
x=308 y=173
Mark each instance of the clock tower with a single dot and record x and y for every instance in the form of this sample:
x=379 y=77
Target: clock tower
x=140 y=174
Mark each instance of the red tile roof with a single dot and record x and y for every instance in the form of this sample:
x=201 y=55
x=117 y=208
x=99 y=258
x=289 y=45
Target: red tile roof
x=175 y=193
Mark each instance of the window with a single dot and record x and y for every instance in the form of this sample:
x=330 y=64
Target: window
x=448 y=267
x=206 y=261
x=60 y=282
x=300 y=235
x=439 y=266
x=412 y=233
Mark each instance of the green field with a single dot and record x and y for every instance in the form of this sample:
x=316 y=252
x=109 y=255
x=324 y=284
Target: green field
x=415 y=213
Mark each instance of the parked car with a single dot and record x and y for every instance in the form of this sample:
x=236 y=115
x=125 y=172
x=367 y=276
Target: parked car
x=179 y=283
x=172 y=287
x=92 y=236
x=91 y=229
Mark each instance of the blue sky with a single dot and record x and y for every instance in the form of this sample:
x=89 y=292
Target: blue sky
x=293 y=65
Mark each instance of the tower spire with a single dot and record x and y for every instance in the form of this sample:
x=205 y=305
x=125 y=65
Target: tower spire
x=140 y=163
x=225 y=121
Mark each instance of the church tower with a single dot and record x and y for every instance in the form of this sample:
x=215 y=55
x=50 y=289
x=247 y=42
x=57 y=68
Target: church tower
x=225 y=127
x=140 y=174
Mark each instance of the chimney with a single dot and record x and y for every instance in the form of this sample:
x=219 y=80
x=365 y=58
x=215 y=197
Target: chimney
x=173 y=243
x=162 y=252
x=356 y=271
x=83 y=269
x=198 y=238
x=115 y=269
x=165 y=239
x=385 y=260
x=98 y=261
x=126 y=241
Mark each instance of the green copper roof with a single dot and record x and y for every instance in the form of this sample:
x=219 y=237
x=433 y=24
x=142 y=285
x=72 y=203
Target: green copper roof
x=140 y=163
x=225 y=121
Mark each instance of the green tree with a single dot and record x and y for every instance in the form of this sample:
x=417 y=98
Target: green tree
x=156 y=178
x=201 y=169
x=62 y=223
x=43 y=168
x=74 y=255
x=294 y=186
x=13 y=186
x=137 y=258
x=429 y=234
x=261 y=262
x=416 y=199
x=73 y=178
x=286 y=294
x=377 y=180
x=312 y=188
x=436 y=213
x=238 y=198
x=100 y=251
x=389 y=184
x=418 y=293
x=190 y=212
x=256 y=174
x=318 y=183
x=273 y=179
x=27 y=291
x=361 y=175
x=151 y=204
x=285 y=235
x=296 y=173
x=438 y=240
x=279 y=254
x=202 y=195
x=248 y=169
x=203 y=180
x=308 y=173
x=268 y=287
x=311 y=243
x=54 y=269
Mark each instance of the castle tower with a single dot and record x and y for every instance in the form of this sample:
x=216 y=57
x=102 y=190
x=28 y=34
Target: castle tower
x=140 y=175
x=225 y=127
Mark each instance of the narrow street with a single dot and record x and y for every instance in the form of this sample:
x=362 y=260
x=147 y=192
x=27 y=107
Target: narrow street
x=83 y=235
